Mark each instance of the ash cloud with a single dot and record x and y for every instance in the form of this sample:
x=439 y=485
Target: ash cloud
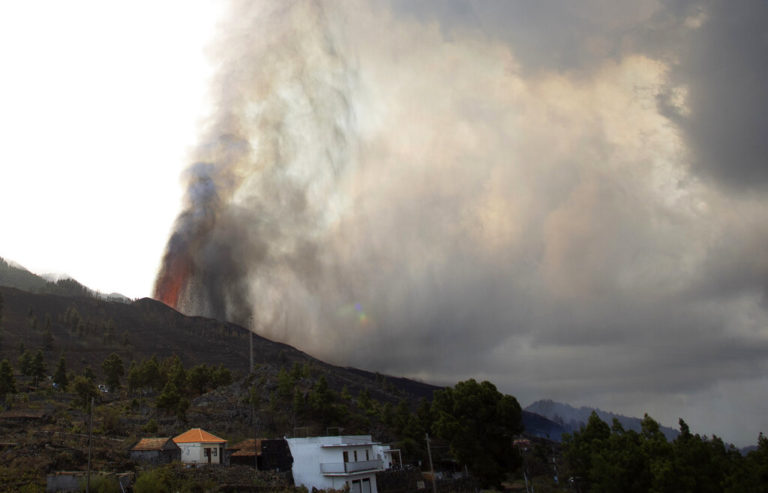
x=443 y=191
x=722 y=70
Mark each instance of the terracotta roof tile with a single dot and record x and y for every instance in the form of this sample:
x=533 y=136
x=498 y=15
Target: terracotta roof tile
x=151 y=443
x=247 y=448
x=195 y=435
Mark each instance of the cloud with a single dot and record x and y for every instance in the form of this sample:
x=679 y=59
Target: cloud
x=427 y=192
x=721 y=70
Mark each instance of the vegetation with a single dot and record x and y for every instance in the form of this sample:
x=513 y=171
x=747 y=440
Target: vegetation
x=206 y=384
x=7 y=380
x=480 y=424
x=611 y=459
x=60 y=378
x=113 y=371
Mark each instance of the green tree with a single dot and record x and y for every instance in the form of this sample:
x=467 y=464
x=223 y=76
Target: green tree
x=198 y=379
x=38 y=368
x=175 y=372
x=7 y=380
x=221 y=376
x=150 y=374
x=25 y=363
x=480 y=423
x=60 y=376
x=85 y=390
x=113 y=370
x=169 y=399
x=284 y=384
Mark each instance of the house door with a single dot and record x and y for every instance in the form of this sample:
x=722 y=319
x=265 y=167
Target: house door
x=366 y=485
x=355 y=488
x=208 y=455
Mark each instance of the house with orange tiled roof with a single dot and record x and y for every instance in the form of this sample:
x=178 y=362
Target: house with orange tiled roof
x=160 y=450
x=200 y=447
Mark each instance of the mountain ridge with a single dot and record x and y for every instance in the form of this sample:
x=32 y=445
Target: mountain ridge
x=572 y=418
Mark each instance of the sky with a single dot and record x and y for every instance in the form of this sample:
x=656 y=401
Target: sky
x=101 y=102
x=567 y=199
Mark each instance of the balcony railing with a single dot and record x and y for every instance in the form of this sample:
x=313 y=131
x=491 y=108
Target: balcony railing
x=351 y=467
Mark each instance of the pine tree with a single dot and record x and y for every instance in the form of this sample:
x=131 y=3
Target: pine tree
x=38 y=368
x=25 y=362
x=7 y=380
x=113 y=370
x=60 y=377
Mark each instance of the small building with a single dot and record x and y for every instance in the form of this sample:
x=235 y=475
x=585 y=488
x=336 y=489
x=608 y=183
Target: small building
x=161 y=450
x=275 y=455
x=336 y=462
x=386 y=454
x=244 y=453
x=200 y=447
x=262 y=453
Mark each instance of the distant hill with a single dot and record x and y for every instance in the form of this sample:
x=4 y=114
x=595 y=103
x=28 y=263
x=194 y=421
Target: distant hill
x=13 y=275
x=542 y=427
x=572 y=419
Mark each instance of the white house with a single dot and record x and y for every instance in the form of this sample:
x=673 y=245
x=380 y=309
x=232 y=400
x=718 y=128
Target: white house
x=336 y=462
x=200 y=447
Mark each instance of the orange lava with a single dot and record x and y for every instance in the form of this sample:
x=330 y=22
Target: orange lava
x=172 y=280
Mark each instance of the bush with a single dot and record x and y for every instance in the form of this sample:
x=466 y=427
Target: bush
x=102 y=484
x=151 y=426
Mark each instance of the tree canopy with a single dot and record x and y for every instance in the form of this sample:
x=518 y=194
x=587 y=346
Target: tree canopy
x=480 y=424
x=113 y=371
x=611 y=459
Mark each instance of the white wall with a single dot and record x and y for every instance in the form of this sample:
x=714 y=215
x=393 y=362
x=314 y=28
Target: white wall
x=308 y=454
x=194 y=453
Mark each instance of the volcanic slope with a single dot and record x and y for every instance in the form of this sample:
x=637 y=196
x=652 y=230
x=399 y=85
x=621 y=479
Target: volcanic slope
x=85 y=330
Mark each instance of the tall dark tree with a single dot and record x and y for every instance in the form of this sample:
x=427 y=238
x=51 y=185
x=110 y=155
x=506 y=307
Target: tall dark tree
x=113 y=371
x=7 y=380
x=60 y=375
x=38 y=367
x=198 y=379
x=85 y=390
x=480 y=423
x=25 y=363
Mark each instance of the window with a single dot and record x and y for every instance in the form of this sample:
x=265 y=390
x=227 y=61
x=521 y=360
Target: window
x=367 y=457
x=355 y=452
x=366 y=485
x=214 y=451
x=346 y=456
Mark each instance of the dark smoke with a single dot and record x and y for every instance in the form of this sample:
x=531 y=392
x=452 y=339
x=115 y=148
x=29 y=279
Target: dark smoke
x=426 y=189
x=258 y=197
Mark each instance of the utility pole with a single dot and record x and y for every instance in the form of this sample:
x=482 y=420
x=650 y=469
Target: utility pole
x=90 y=433
x=250 y=330
x=431 y=466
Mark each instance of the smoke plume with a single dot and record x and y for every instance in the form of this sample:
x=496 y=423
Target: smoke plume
x=437 y=190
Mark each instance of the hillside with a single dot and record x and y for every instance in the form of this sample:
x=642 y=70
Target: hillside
x=16 y=276
x=572 y=419
x=86 y=330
